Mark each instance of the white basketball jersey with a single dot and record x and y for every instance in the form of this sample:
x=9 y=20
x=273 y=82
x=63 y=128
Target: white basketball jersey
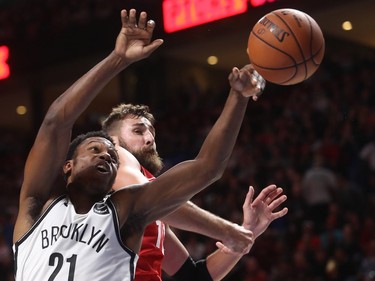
x=65 y=246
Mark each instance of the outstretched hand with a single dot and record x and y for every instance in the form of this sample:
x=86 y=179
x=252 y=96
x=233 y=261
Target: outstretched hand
x=247 y=81
x=134 y=40
x=259 y=214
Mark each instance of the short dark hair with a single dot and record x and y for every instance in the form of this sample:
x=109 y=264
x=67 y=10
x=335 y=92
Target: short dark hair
x=80 y=138
x=122 y=110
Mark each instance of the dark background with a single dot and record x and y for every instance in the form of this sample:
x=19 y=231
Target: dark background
x=329 y=119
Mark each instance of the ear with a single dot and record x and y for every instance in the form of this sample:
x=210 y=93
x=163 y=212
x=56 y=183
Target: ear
x=67 y=167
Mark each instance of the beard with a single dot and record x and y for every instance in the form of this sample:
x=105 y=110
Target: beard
x=148 y=158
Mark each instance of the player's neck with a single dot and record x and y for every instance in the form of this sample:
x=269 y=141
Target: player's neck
x=82 y=201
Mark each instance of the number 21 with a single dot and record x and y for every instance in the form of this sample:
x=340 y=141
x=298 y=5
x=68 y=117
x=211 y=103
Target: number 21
x=57 y=260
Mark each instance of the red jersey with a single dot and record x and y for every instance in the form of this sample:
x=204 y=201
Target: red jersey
x=152 y=249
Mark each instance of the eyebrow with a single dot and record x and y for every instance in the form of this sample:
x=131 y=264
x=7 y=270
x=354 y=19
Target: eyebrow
x=91 y=141
x=143 y=124
x=98 y=141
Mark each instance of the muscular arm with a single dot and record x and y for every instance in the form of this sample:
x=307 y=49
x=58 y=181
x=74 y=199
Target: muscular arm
x=258 y=215
x=165 y=194
x=175 y=253
x=48 y=153
x=190 y=217
x=154 y=200
x=49 y=149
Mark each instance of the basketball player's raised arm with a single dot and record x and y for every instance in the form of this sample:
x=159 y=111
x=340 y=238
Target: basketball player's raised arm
x=190 y=217
x=180 y=183
x=258 y=214
x=46 y=157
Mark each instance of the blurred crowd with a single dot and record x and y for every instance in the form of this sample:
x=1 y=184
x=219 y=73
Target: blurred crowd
x=315 y=139
x=33 y=20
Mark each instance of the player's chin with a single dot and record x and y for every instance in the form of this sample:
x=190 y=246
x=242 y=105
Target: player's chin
x=104 y=180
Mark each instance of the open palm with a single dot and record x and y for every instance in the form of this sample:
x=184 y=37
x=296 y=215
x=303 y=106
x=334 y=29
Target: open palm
x=134 y=40
x=259 y=214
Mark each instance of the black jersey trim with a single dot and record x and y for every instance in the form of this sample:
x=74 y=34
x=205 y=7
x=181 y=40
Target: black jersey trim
x=39 y=220
x=33 y=227
x=117 y=228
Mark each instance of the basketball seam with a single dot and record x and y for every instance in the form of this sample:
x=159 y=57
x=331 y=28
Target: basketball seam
x=292 y=25
x=281 y=51
x=311 y=40
x=269 y=68
x=311 y=43
x=295 y=39
x=281 y=68
x=314 y=55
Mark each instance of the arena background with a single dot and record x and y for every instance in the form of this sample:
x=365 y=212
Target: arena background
x=328 y=119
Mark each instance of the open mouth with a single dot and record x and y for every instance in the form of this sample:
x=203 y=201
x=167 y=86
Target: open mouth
x=103 y=168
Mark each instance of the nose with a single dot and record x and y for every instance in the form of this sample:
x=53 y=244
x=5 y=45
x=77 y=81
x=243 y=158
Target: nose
x=149 y=137
x=105 y=156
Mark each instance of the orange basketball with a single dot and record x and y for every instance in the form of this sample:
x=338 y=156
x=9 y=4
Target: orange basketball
x=286 y=46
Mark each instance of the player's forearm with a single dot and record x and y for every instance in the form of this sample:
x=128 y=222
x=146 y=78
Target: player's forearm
x=219 y=264
x=214 y=268
x=190 y=177
x=54 y=135
x=190 y=217
x=218 y=145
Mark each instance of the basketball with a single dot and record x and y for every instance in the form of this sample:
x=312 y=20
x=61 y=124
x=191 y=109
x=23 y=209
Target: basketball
x=286 y=46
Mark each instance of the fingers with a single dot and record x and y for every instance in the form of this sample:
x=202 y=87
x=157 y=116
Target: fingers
x=153 y=46
x=277 y=202
x=249 y=197
x=150 y=26
x=247 y=81
x=280 y=214
x=234 y=75
x=274 y=194
x=223 y=248
x=271 y=197
x=259 y=83
x=264 y=194
x=124 y=18
x=132 y=19
x=129 y=19
x=142 y=20
x=256 y=80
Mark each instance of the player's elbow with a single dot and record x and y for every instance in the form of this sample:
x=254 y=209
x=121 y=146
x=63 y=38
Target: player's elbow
x=57 y=117
x=214 y=170
x=214 y=163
